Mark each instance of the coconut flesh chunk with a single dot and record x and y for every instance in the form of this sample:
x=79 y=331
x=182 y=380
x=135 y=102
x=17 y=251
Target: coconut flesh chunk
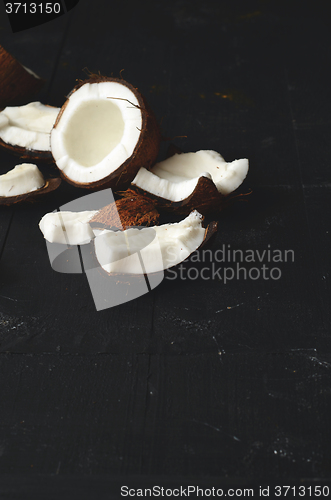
x=149 y=250
x=22 y=179
x=176 y=178
x=28 y=126
x=97 y=132
x=70 y=228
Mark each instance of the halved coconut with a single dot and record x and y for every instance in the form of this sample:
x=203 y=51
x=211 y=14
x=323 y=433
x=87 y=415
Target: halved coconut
x=151 y=250
x=104 y=132
x=18 y=83
x=189 y=181
x=24 y=182
x=25 y=130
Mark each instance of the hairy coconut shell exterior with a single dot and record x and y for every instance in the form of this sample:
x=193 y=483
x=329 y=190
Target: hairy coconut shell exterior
x=145 y=152
x=50 y=185
x=18 y=85
x=132 y=210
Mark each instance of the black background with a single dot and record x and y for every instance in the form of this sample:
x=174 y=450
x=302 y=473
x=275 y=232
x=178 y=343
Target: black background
x=25 y=15
x=198 y=381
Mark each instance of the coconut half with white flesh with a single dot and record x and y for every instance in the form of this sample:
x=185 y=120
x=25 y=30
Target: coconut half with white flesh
x=25 y=130
x=187 y=181
x=103 y=134
x=146 y=250
x=25 y=182
x=18 y=83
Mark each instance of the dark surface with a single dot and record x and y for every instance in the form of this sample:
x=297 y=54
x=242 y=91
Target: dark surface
x=198 y=381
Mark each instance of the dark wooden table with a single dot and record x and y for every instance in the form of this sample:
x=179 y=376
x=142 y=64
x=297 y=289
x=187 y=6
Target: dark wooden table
x=199 y=381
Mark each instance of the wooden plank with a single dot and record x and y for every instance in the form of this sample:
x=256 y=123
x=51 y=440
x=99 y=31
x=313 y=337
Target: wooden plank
x=239 y=415
x=72 y=414
x=195 y=415
x=317 y=200
x=244 y=313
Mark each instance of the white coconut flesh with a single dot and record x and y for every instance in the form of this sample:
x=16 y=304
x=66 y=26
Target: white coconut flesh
x=176 y=178
x=97 y=132
x=28 y=126
x=149 y=250
x=70 y=228
x=22 y=179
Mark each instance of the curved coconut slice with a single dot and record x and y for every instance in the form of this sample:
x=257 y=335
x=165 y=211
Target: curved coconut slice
x=25 y=130
x=18 y=83
x=158 y=248
x=104 y=132
x=192 y=180
x=21 y=179
x=71 y=228
x=24 y=182
x=50 y=185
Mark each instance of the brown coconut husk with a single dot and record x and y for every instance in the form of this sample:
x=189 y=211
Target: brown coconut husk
x=18 y=86
x=131 y=210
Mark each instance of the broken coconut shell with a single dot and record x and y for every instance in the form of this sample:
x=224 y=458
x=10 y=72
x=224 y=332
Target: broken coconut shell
x=187 y=181
x=104 y=132
x=131 y=210
x=205 y=198
x=18 y=84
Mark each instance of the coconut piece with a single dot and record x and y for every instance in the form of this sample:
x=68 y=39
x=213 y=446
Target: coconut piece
x=18 y=83
x=186 y=181
x=25 y=182
x=21 y=179
x=49 y=186
x=158 y=247
x=25 y=130
x=131 y=210
x=104 y=132
x=71 y=228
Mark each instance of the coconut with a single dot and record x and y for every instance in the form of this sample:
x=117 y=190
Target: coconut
x=186 y=181
x=25 y=130
x=103 y=134
x=156 y=248
x=24 y=182
x=18 y=83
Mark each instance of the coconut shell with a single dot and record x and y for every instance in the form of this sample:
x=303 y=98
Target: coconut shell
x=27 y=154
x=145 y=152
x=18 y=86
x=205 y=198
x=50 y=185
